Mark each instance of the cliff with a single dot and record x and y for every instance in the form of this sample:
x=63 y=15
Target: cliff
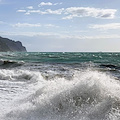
x=10 y=45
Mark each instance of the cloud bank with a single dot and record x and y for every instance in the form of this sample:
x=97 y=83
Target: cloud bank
x=109 y=26
x=73 y=12
x=32 y=25
x=47 y=11
x=27 y=25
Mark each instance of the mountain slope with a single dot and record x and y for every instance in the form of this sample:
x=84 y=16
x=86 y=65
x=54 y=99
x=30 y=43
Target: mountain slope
x=10 y=45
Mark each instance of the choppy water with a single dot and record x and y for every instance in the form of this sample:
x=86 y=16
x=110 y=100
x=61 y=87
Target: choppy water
x=59 y=86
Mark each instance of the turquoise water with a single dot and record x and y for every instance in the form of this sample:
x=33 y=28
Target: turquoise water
x=59 y=86
x=63 y=57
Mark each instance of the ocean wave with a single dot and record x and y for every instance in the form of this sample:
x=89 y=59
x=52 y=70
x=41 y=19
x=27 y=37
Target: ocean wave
x=90 y=95
x=10 y=64
x=19 y=75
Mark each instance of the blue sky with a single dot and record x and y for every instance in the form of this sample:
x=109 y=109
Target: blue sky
x=62 y=25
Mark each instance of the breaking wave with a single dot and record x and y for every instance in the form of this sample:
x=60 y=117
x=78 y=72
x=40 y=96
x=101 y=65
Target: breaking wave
x=88 y=95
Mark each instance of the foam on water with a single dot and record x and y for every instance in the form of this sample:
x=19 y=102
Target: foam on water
x=89 y=95
x=15 y=85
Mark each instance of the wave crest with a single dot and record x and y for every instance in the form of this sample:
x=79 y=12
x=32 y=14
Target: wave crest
x=91 y=95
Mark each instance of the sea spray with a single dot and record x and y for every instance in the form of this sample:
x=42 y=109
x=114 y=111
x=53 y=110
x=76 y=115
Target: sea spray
x=87 y=97
x=60 y=86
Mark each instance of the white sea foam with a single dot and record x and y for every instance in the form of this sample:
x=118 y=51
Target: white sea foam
x=27 y=95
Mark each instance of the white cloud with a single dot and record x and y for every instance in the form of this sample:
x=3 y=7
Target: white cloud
x=32 y=25
x=27 y=13
x=62 y=36
x=48 y=4
x=112 y=36
x=21 y=11
x=30 y=34
x=89 y=12
x=26 y=25
x=74 y=12
x=48 y=11
x=57 y=3
x=109 y=26
x=30 y=7
x=59 y=11
x=45 y=4
x=34 y=11
x=50 y=25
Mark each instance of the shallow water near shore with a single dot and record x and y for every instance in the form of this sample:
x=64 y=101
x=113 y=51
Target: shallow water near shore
x=59 y=86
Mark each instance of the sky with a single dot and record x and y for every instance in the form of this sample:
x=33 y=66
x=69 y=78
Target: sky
x=62 y=25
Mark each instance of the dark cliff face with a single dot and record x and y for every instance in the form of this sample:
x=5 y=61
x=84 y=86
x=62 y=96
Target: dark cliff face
x=10 y=45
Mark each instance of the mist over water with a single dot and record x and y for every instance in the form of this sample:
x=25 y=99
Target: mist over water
x=59 y=86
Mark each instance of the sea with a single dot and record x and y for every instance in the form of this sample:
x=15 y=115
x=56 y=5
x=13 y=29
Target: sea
x=59 y=86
